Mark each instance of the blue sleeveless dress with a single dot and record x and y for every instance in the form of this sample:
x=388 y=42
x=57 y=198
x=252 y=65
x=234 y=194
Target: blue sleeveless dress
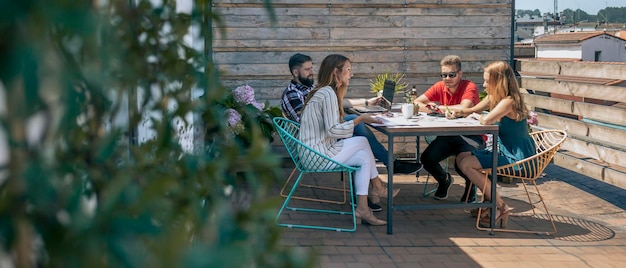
x=514 y=143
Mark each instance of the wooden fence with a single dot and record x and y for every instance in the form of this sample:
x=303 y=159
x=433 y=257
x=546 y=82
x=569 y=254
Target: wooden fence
x=411 y=37
x=408 y=36
x=587 y=99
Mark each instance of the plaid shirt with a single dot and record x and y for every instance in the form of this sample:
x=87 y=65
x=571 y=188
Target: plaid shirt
x=292 y=100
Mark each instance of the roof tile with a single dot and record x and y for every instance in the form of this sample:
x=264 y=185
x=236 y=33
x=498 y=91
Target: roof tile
x=575 y=37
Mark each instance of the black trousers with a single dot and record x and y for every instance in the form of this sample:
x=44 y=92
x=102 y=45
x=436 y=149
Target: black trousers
x=441 y=148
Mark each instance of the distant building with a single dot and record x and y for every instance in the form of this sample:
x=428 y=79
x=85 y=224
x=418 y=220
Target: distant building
x=621 y=34
x=524 y=50
x=529 y=26
x=584 y=46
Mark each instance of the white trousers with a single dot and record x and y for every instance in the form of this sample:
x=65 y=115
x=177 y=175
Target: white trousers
x=356 y=151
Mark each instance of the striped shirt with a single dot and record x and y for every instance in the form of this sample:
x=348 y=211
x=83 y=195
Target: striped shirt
x=320 y=127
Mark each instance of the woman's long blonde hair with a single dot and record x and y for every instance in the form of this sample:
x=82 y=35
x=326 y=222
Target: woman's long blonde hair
x=501 y=84
x=326 y=77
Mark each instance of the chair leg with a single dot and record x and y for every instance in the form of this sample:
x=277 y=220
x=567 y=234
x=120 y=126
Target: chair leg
x=303 y=209
x=288 y=199
x=282 y=190
x=530 y=202
x=550 y=218
x=532 y=207
x=547 y=211
x=480 y=211
x=343 y=190
x=469 y=190
x=428 y=192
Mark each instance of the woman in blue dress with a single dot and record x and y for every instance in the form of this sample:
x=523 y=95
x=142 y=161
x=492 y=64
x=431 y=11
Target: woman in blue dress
x=507 y=109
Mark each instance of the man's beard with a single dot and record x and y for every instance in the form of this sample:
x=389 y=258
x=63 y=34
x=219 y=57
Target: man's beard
x=305 y=81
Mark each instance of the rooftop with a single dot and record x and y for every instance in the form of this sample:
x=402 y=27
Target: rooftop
x=572 y=37
x=590 y=216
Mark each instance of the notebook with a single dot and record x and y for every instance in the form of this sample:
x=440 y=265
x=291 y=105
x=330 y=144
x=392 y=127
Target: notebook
x=388 y=91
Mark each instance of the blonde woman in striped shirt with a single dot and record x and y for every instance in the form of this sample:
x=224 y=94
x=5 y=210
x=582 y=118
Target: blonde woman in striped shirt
x=322 y=128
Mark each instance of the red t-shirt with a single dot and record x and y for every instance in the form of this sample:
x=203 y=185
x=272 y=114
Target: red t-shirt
x=465 y=91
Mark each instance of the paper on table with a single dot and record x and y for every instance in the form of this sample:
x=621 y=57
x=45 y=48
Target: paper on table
x=397 y=120
x=423 y=120
x=442 y=121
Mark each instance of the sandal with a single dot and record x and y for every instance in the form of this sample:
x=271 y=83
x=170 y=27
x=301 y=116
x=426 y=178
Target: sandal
x=368 y=218
x=376 y=195
x=502 y=216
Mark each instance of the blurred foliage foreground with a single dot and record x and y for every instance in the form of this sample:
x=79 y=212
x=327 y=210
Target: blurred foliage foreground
x=75 y=191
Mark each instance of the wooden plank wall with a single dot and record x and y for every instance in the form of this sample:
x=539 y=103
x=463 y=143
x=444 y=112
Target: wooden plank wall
x=570 y=93
x=402 y=36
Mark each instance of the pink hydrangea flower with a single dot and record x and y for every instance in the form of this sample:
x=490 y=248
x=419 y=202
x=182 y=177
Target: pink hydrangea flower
x=532 y=118
x=244 y=94
x=234 y=117
x=259 y=106
x=234 y=121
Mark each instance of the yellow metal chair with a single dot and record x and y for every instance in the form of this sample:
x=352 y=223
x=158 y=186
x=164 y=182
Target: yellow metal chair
x=530 y=169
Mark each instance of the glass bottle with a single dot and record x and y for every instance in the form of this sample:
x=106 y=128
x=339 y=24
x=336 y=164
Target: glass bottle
x=413 y=94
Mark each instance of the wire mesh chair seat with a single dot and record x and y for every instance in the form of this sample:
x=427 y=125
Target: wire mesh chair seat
x=308 y=160
x=294 y=131
x=547 y=144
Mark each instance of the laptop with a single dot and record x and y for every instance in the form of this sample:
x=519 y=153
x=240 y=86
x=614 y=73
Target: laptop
x=389 y=90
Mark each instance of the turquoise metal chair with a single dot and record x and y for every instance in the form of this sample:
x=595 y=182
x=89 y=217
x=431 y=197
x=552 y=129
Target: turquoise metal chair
x=307 y=160
x=287 y=185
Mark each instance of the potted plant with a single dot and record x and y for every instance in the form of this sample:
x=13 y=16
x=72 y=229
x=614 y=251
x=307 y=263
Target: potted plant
x=242 y=109
x=377 y=84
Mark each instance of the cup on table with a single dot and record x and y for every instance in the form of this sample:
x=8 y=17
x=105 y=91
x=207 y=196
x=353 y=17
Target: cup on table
x=407 y=110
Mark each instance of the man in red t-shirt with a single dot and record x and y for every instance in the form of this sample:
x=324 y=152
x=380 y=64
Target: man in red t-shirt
x=452 y=92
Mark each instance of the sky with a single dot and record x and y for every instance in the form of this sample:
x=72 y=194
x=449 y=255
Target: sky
x=590 y=6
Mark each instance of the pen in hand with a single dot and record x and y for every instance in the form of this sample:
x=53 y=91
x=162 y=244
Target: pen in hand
x=449 y=114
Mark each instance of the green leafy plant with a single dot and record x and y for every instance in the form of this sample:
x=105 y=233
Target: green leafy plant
x=242 y=111
x=378 y=83
x=80 y=190
x=482 y=94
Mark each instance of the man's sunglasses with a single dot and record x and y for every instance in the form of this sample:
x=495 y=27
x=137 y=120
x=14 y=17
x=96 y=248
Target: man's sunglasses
x=451 y=75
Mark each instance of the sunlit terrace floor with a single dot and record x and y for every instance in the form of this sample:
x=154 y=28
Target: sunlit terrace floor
x=590 y=216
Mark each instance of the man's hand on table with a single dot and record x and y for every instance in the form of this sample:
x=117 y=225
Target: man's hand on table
x=432 y=107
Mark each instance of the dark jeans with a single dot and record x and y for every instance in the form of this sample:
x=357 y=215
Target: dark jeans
x=441 y=148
